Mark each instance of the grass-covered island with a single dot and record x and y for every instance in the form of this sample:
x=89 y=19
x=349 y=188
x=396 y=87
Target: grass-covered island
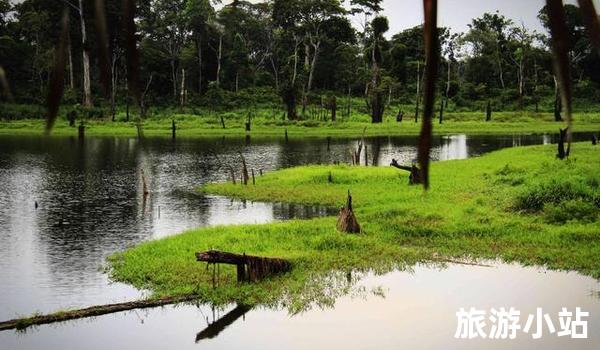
x=520 y=204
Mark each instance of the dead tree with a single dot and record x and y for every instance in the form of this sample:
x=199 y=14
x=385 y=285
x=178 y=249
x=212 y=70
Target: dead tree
x=249 y=268
x=594 y=140
x=333 y=106
x=562 y=136
x=415 y=174
x=245 y=176
x=347 y=222
x=488 y=112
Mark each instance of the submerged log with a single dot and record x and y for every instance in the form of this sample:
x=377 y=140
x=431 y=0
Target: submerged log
x=415 y=173
x=249 y=268
x=92 y=311
x=347 y=221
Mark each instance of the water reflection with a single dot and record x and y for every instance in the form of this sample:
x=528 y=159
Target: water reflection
x=90 y=201
x=415 y=310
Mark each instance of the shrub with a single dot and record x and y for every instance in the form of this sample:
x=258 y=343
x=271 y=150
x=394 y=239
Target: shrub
x=571 y=210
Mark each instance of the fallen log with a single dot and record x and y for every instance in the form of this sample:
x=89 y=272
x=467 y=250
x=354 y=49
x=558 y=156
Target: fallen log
x=219 y=325
x=415 y=172
x=99 y=310
x=249 y=268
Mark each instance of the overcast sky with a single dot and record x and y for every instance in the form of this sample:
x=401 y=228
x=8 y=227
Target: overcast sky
x=456 y=14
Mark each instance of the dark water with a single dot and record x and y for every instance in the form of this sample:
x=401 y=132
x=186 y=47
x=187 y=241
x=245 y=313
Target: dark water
x=90 y=204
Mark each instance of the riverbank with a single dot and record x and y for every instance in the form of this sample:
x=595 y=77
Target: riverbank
x=520 y=205
x=207 y=126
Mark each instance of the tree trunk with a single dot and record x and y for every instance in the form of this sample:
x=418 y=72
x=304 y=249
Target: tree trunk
x=199 y=50
x=418 y=91
x=87 y=89
x=415 y=173
x=219 y=57
x=70 y=53
x=182 y=92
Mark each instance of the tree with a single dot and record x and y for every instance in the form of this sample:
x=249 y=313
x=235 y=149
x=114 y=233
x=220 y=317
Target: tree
x=487 y=37
x=380 y=26
x=199 y=13
x=520 y=40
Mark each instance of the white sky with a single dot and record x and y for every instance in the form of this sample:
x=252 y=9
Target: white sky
x=456 y=14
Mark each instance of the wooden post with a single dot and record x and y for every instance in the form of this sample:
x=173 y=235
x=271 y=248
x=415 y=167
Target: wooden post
x=173 y=128
x=488 y=112
x=253 y=179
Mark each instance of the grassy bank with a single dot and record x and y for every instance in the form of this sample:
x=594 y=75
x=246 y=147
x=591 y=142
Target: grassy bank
x=266 y=125
x=518 y=204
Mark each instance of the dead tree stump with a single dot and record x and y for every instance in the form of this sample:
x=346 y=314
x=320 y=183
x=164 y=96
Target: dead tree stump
x=347 y=221
x=415 y=173
x=594 y=140
x=249 y=268
x=245 y=176
x=562 y=136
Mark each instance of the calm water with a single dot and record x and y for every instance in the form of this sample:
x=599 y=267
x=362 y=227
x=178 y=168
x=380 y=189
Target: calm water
x=90 y=204
x=409 y=311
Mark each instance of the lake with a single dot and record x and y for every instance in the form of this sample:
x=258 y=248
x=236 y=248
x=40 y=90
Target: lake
x=65 y=205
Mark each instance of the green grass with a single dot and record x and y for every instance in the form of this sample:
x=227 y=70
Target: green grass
x=267 y=124
x=502 y=205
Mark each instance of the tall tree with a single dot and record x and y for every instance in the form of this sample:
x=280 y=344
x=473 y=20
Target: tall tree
x=199 y=13
x=380 y=26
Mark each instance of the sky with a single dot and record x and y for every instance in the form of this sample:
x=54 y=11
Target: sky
x=456 y=14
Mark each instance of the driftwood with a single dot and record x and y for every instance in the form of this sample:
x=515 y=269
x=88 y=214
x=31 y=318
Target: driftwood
x=347 y=221
x=415 y=173
x=249 y=268
x=215 y=328
x=90 y=312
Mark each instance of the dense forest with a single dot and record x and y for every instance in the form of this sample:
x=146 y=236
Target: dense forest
x=291 y=52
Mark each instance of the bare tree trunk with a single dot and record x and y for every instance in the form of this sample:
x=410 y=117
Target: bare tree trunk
x=174 y=77
x=418 y=91
x=448 y=82
x=182 y=92
x=316 y=46
x=113 y=92
x=275 y=73
x=87 y=89
x=199 y=49
x=237 y=81
x=219 y=57
x=70 y=53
